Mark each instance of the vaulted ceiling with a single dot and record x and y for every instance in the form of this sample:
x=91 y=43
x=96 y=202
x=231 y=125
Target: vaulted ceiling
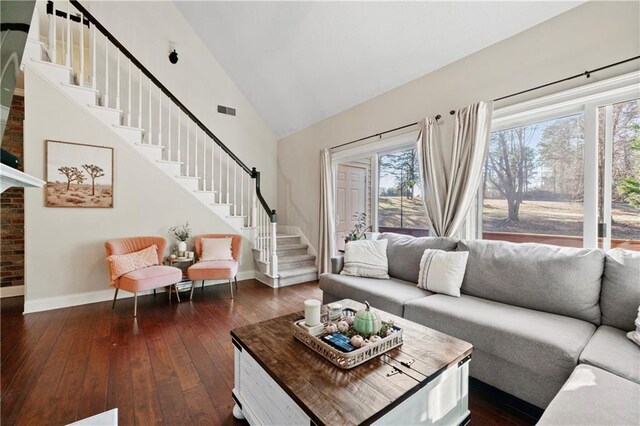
x=301 y=62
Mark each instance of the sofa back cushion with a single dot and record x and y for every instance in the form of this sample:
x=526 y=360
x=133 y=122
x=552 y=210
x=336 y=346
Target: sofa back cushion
x=559 y=280
x=620 y=295
x=404 y=253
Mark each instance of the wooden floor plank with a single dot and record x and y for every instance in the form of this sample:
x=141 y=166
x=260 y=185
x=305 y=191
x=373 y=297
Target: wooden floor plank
x=171 y=365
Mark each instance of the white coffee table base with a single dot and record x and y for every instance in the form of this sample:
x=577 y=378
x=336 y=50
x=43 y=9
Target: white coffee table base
x=442 y=401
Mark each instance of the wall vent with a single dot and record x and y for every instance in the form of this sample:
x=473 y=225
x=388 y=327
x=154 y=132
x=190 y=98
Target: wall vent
x=226 y=110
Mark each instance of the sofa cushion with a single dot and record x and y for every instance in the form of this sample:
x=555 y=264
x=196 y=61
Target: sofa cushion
x=610 y=350
x=620 y=296
x=389 y=295
x=559 y=280
x=543 y=343
x=593 y=396
x=213 y=270
x=404 y=253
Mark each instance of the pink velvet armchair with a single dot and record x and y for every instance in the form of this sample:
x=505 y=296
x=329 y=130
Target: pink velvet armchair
x=217 y=269
x=148 y=278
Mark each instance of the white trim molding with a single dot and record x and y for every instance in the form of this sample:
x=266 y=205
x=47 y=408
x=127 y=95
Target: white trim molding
x=68 y=300
x=11 y=291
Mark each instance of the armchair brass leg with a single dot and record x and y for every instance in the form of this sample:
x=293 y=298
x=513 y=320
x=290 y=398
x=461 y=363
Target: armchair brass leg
x=114 y=298
x=175 y=286
x=202 y=286
x=135 y=304
x=236 y=280
x=231 y=287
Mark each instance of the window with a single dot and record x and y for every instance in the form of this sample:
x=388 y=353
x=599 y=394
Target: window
x=400 y=206
x=533 y=181
x=619 y=173
x=565 y=169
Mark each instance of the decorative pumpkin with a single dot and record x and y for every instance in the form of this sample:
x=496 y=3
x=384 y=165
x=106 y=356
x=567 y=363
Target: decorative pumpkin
x=375 y=338
x=366 y=321
x=390 y=331
x=343 y=327
x=365 y=342
x=349 y=320
x=356 y=341
x=330 y=329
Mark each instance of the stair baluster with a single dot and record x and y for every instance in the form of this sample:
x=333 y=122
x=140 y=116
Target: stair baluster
x=150 y=122
x=232 y=200
x=94 y=77
x=69 y=46
x=106 y=72
x=118 y=79
x=139 y=99
x=53 y=54
x=81 y=75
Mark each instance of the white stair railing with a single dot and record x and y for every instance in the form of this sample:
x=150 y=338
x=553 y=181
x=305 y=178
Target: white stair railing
x=184 y=138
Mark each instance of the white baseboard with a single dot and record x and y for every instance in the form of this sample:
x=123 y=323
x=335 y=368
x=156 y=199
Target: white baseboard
x=67 y=300
x=13 y=291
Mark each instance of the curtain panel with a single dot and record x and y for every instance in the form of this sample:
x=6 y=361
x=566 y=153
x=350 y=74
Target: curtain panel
x=326 y=236
x=450 y=180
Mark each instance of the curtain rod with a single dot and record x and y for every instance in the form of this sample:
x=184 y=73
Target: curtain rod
x=586 y=74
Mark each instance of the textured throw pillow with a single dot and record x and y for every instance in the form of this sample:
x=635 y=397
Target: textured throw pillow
x=120 y=264
x=216 y=249
x=442 y=271
x=366 y=258
x=634 y=336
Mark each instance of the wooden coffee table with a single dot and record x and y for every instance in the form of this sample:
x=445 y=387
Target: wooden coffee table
x=278 y=380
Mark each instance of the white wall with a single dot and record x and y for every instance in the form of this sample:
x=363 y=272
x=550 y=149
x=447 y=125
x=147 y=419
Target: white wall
x=587 y=37
x=146 y=29
x=64 y=247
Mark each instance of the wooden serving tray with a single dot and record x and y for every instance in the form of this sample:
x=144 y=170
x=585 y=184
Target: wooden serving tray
x=346 y=360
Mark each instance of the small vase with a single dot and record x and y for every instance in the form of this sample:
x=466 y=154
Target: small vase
x=182 y=246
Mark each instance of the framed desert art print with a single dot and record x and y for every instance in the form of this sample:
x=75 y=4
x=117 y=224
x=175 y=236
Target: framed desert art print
x=78 y=175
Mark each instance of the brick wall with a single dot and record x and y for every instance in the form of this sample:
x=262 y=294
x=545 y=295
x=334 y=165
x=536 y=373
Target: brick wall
x=12 y=205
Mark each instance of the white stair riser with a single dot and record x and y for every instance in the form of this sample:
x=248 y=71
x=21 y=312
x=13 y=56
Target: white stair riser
x=53 y=72
x=150 y=151
x=236 y=222
x=80 y=95
x=129 y=134
x=190 y=184
x=171 y=169
x=106 y=115
x=205 y=197
x=221 y=210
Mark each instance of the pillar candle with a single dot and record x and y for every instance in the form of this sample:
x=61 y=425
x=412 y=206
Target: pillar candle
x=312 y=312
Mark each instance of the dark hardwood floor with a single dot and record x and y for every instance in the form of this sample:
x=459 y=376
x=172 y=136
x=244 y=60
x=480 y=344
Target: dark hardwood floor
x=172 y=365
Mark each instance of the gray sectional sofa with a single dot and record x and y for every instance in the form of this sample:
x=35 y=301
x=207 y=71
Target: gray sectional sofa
x=541 y=318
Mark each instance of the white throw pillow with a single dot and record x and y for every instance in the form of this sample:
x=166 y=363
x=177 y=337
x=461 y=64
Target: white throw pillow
x=366 y=258
x=442 y=271
x=216 y=249
x=634 y=336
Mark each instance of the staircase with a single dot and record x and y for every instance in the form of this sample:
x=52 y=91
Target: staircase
x=102 y=77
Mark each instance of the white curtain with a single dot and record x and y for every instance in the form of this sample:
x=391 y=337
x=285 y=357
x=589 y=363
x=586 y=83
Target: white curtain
x=450 y=177
x=326 y=237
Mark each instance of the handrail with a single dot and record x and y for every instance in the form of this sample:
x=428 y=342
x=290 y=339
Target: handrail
x=157 y=82
x=251 y=172
x=273 y=216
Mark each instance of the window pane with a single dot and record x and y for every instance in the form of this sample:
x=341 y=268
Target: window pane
x=624 y=173
x=400 y=195
x=533 y=183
